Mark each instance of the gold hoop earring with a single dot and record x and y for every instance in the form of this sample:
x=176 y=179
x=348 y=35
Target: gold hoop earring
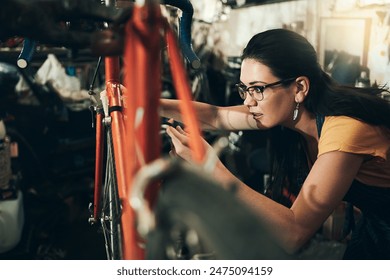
x=296 y=111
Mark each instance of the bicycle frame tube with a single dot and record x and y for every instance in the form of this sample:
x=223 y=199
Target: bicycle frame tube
x=143 y=84
x=99 y=149
x=181 y=84
x=143 y=79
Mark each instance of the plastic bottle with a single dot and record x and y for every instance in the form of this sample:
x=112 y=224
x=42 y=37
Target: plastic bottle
x=11 y=210
x=11 y=222
x=5 y=158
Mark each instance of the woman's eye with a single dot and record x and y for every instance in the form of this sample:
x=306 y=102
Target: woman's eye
x=257 y=89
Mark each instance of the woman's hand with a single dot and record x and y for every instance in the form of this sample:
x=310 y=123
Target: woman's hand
x=180 y=141
x=211 y=164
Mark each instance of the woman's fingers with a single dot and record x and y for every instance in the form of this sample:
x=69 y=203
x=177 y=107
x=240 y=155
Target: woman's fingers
x=181 y=130
x=175 y=141
x=180 y=143
x=178 y=133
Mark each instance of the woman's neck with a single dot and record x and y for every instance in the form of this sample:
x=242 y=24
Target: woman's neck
x=306 y=125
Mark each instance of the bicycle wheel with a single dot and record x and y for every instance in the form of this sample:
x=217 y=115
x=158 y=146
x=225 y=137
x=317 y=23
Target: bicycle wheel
x=111 y=210
x=197 y=219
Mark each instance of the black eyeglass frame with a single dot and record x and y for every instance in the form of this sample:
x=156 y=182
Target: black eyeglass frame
x=243 y=91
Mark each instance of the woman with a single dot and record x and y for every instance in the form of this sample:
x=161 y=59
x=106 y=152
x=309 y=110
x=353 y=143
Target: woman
x=329 y=143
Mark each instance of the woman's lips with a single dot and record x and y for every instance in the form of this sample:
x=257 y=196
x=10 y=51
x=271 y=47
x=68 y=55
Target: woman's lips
x=257 y=115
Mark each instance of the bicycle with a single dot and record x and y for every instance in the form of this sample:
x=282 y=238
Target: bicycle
x=141 y=200
x=119 y=131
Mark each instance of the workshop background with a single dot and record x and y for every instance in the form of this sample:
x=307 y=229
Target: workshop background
x=46 y=111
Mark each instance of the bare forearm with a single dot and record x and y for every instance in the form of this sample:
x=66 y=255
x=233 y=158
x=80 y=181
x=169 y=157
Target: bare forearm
x=207 y=114
x=318 y=197
x=211 y=117
x=278 y=219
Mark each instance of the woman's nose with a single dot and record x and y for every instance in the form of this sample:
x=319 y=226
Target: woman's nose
x=249 y=100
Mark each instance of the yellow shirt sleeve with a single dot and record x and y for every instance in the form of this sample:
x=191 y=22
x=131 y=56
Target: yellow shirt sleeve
x=341 y=133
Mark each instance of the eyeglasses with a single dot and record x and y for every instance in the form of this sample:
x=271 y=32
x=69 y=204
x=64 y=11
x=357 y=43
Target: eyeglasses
x=256 y=92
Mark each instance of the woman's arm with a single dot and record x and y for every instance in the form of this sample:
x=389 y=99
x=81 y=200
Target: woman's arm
x=212 y=117
x=322 y=191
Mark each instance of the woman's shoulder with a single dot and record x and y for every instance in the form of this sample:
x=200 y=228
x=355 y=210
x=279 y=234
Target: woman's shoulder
x=343 y=120
x=348 y=134
x=351 y=126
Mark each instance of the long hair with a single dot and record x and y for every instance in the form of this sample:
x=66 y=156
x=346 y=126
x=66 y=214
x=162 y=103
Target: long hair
x=289 y=54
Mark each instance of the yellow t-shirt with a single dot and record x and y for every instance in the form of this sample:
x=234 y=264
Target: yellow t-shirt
x=340 y=133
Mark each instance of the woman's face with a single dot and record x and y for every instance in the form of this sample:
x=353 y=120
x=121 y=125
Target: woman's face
x=278 y=103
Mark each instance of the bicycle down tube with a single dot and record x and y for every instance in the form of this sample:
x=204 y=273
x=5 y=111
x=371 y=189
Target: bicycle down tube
x=133 y=113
